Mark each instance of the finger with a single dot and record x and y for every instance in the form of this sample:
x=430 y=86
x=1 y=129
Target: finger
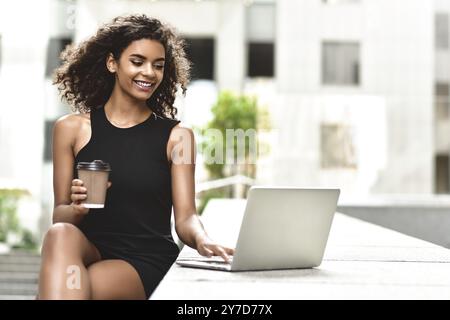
x=109 y=184
x=80 y=208
x=78 y=197
x=229 y=251
x=77 y=182
x=225 y=257
x=223 y=254
x=207 y=252
x=77 y=189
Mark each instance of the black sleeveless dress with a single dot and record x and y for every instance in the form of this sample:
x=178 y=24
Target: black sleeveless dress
x=135 y=224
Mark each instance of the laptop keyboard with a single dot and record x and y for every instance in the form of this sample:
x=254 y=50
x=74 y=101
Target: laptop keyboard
x=212 y=260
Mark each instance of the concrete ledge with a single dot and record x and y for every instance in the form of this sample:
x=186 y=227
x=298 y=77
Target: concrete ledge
x=362 y=261
x=426 y=217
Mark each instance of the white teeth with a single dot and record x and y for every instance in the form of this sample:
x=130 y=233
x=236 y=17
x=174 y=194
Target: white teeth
x=144 y=84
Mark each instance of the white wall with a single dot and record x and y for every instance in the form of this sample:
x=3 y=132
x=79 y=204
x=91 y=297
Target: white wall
x=198 y=18
x=298 y=151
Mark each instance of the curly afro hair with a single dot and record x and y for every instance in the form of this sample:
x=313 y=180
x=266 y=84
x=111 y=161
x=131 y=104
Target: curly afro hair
x=84 y=81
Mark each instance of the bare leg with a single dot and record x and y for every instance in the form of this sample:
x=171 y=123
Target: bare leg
x=115 y=279
x=65 y=254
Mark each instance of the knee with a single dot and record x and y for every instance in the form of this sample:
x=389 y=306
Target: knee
x=58 y=236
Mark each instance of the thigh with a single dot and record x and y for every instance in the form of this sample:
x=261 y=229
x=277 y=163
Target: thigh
x=115 y=280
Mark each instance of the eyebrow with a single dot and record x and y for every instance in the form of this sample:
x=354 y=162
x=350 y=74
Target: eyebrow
x=144 y=58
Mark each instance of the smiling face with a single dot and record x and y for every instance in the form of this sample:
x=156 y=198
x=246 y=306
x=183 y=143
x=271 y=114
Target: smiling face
x=140 y=68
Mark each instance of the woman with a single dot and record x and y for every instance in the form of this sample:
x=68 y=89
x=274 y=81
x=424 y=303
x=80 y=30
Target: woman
x=123 y=82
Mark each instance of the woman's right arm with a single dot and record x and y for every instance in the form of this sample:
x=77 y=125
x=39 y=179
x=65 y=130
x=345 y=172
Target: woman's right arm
x=68 y=192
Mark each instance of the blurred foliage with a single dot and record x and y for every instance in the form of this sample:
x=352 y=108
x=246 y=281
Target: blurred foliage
x=224 y=192
x=9 y=221
x=27 y=242
x=231 y=112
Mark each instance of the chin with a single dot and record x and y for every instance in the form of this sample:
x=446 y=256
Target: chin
x=140 y=96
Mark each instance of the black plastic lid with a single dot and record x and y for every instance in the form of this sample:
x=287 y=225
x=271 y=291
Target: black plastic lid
x=96 y=165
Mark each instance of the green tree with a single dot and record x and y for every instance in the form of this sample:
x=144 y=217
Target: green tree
x=230 y=112
x=9 y=222
x=235 y=112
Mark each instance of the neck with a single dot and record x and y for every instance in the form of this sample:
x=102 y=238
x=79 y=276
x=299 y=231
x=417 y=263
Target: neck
x=124 y=109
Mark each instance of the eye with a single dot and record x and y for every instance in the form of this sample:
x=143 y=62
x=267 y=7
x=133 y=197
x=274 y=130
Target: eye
x=136 y=63
x=159 y=66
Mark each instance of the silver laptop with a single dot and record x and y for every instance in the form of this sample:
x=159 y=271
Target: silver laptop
x=282 y=228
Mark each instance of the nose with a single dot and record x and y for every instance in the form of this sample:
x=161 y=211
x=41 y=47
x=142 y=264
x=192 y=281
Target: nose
x=148 y=71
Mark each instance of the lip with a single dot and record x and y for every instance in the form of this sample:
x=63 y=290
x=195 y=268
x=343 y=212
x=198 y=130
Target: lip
x=142 y=88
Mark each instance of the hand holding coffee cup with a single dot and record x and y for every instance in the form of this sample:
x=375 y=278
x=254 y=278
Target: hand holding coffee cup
x=79 y=194
x=91 y=186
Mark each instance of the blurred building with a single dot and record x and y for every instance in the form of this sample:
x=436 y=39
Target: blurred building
x=441 y=108
x=357 y=89
x=30 y=33
x=355 y=81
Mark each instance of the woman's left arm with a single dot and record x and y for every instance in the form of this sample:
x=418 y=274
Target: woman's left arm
x=182 y=154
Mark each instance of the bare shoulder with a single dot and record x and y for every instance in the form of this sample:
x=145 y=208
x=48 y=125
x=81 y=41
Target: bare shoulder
x=181 y=131
x=69 y=125
x=72 y=120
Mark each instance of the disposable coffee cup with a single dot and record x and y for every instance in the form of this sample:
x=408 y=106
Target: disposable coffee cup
x=95 y=177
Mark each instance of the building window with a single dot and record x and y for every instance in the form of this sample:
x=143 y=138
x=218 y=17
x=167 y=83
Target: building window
x=48 y=136
x=442 y=96
x=442 y=183
x=55 y=47
x=441 y=31
x=337 y=146
x=201 y=53
x=260 y=60
x=260 y=26
x=340 y=63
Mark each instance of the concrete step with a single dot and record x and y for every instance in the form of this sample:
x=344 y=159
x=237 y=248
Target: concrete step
x=15 y=252
x=20 y=259
x=12 y=267
x=17 y=297
x=20 y=289
x=19 y=277
x=19 y=273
